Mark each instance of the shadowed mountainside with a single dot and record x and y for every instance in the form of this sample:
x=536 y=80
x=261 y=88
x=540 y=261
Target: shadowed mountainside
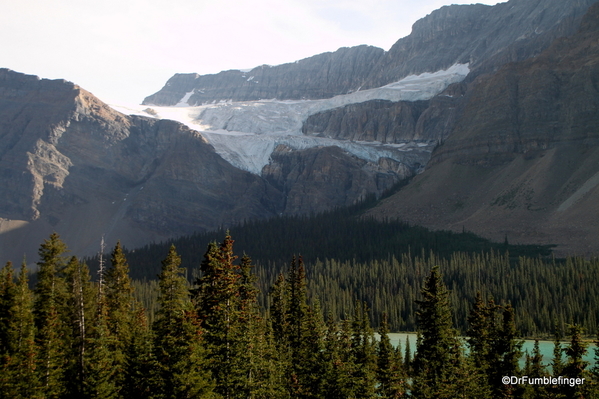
x=523 y=158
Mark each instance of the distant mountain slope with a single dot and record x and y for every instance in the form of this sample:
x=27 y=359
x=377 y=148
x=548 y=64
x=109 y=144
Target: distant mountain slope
x=321 y=76
x=70 y=163
x=483 y=36
x=523 y=158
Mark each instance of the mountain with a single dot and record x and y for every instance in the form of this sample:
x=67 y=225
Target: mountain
x=72 y=164
x=523 y=158
x=499 y=103
x=483 y=36
x=321 y=76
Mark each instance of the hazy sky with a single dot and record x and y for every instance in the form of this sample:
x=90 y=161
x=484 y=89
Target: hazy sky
x=123 y=51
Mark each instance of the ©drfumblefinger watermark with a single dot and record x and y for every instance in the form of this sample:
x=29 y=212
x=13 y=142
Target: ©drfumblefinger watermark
x=513 y=380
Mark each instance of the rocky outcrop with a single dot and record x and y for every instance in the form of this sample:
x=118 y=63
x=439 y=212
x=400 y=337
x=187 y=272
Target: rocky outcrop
x=321 y=76
x=378 y=120
x=523 y=158
x=389 y=122
x=486 y=37
x=328 y=177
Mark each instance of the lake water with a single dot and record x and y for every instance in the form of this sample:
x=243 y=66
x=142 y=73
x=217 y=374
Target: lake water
x=546 y=347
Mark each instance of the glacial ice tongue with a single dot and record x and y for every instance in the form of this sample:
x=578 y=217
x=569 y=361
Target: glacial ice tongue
x=246 y=133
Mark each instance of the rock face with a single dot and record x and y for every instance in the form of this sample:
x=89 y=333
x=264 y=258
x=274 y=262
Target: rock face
x=523 y=158
x=72 y=164
x=321 y=76
x=484 y=36
x=389 y=122
x=322 y=178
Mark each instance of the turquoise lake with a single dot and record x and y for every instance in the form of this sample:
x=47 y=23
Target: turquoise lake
x=546 y=347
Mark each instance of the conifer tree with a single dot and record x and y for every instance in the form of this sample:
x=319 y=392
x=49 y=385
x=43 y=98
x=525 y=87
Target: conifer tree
x=80 y=309
x=17 y=352
x=100 y=363
x=575 y=366
x=8 y=341
x=534 y=368
x=7 y=304
x=50 y=318
x=178 y=345
x=311 y=367
x=340 y=362
x=483 y=339
x=24 y=382
x=480 y=333
x=217 y=300
x=279 y=310
x=506 y=355
x=364 y=352
x=390 y=374
x=408 y=357
x=260 y=370
x=139 y=379
x=436 y=352
x=298 y=324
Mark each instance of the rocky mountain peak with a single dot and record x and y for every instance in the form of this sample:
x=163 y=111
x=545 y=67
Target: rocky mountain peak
x=521 y=159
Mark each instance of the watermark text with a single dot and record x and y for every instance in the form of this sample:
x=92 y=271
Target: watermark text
x=513 y=380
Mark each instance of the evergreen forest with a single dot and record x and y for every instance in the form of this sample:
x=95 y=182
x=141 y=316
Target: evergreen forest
x=223 y=332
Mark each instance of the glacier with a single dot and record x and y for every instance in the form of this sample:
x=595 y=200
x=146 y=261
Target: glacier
x=245 y=133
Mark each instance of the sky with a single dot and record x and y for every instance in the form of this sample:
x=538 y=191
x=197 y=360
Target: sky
x=123 y=51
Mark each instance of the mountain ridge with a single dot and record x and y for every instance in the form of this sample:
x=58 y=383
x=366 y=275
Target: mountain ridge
x=483 y=36
x=522 y=159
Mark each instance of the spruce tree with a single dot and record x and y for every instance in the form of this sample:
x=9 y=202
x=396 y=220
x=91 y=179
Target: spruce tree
x=26 y=383
x=390 y=373
x=364 y=352
x=178 y=346
x=408 y=357
x=7 y=304
x=575 y=366
x=217 y=301
x=260 y=369
x=279 y=311
x=484 y=336
x=8 y=341
x=557 y=364
x=80 y=311
x=100 y=363
x=17 y=357
x=534 y=368
x=140 y=378
x=340 y=364
x=51 y=319
x=437 y=352
x=505 y=354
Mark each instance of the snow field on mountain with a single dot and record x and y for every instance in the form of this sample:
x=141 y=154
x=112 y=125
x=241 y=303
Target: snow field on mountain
x=246 y=133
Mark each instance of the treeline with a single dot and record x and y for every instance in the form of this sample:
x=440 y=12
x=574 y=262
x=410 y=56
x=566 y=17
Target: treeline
x=74 y=338
x=341 y=234
x=543 y=291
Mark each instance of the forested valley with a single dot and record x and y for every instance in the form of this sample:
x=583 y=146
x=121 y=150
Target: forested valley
x=209 y=336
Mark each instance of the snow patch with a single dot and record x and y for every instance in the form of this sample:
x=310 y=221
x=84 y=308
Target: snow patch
x=184 y=101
